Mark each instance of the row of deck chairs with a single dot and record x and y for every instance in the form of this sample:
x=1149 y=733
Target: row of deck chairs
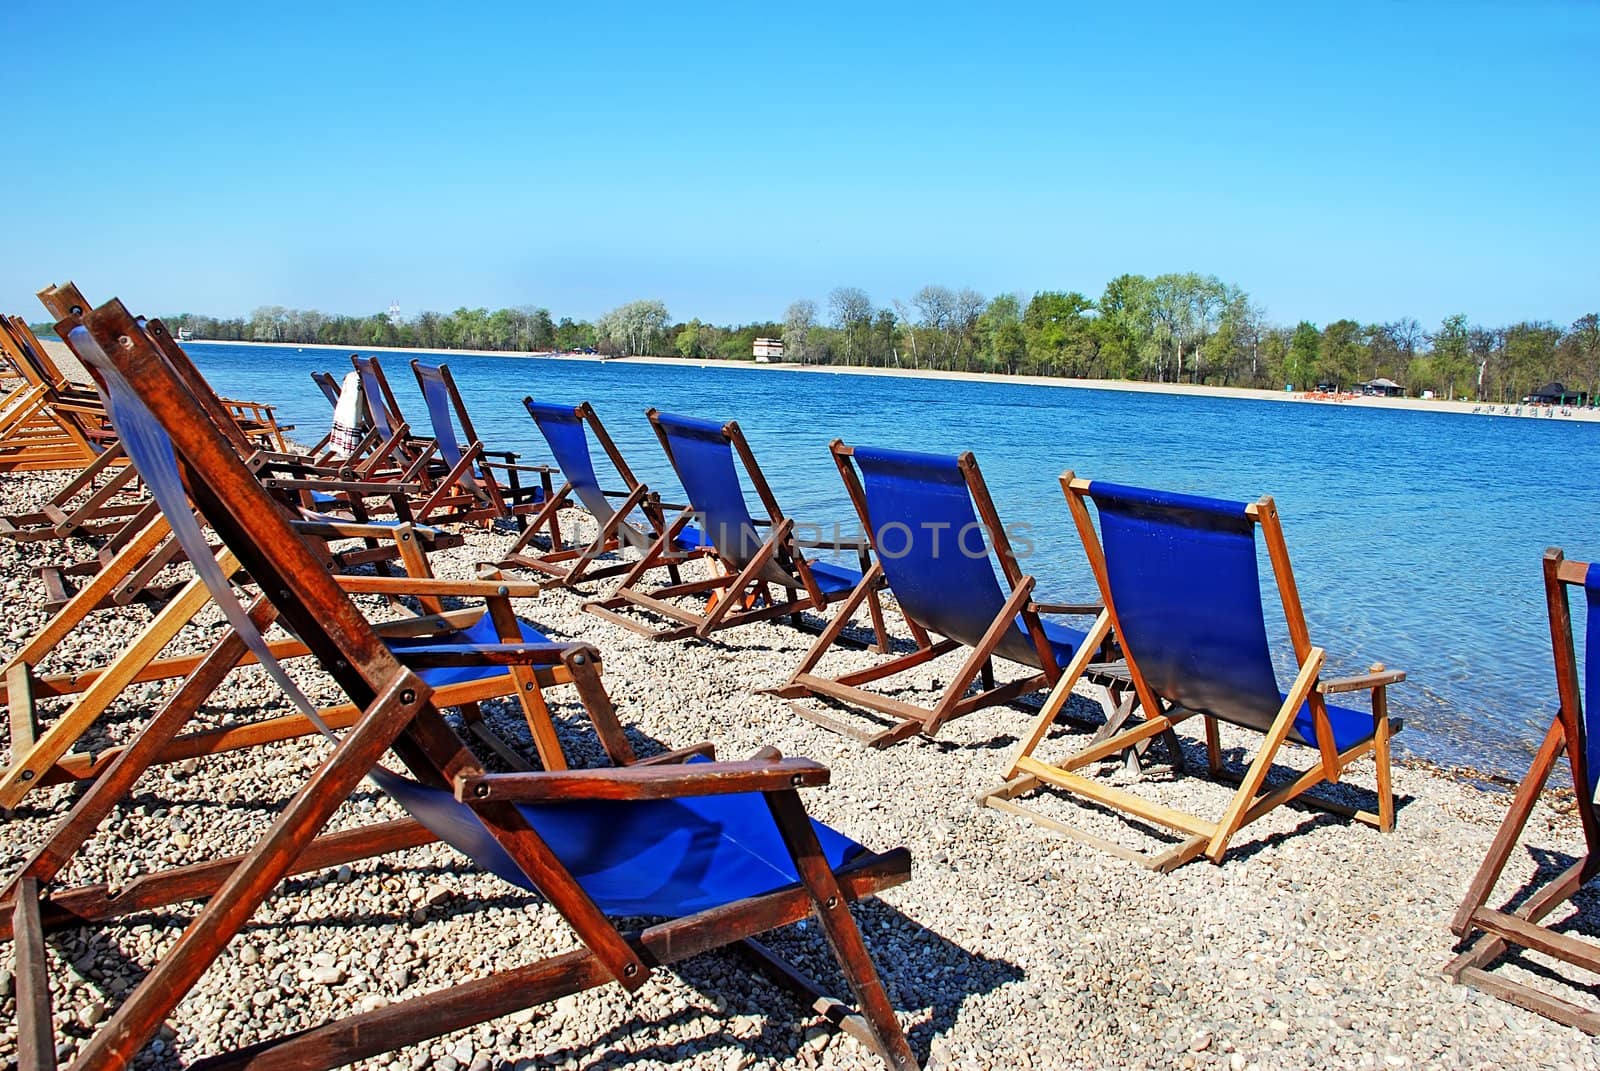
x=934 y=540
x=1180 y=632
x=719 y=851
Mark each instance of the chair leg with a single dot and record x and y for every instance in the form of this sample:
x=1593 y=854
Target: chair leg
x=1213 y=746
x=1380 y=756
x=844 y=937
x=1234 y=817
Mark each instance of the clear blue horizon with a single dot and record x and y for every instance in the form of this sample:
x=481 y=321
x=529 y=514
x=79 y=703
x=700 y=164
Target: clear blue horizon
x=1369 y=160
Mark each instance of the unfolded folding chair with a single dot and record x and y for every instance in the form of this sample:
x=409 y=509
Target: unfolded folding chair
x=472 y=487
x=1490 y=935
x=1179 y=579
x=721 y=851
x=42 y=755
x=763 y=576
x=937 y=541
x=636 y=521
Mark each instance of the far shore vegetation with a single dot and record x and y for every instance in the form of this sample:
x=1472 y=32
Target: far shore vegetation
x=1173 y=328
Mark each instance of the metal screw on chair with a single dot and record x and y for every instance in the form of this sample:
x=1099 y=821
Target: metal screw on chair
x=408 y=697
x=503 y=590
x=831 y=902
x=630 y=969
x=481 y=791
x=125 y=342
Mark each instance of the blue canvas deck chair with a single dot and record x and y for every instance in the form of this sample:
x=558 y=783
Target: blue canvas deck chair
x=478 y=484
x=1179 y=579
x=399 y=445
x=719 y=851
x=1489 y=935
x=938 y=542
x=635 y=519
x=764 y=575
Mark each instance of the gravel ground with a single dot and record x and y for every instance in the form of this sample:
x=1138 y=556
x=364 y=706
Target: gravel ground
x=1318 y=943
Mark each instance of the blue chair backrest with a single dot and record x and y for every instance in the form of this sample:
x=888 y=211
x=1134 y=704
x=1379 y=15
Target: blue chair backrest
x=934 y=551
x=563 y=429
x=377 y=402
x=1591 y=678
x=436 y=396
x=702 y=455
x=1187 y=592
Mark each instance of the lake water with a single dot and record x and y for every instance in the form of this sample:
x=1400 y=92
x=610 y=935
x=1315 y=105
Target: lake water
x=1416 y=537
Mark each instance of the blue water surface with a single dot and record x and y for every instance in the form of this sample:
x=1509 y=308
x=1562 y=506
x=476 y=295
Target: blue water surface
x=1416 y=536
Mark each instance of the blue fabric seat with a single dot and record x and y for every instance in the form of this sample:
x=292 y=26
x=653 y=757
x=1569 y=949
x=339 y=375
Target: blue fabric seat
x=936 y=555
x=479 y=632
x=833 y=578
x=637 y=857
x=1184 y=579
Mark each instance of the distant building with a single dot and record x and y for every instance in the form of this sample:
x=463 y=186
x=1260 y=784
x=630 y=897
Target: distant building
x=1556 y=394
x=767 y=350
x=1383 y=388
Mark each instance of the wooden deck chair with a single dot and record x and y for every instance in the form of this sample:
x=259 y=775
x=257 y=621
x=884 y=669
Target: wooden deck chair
x=411 y=454
x=473 y=488
x=41 y=756
x=567 y=430
x=763 y=576
x=721 y=851
x=42 y=426
x=1490 y=935
x=937 y=541
x=1179 y=578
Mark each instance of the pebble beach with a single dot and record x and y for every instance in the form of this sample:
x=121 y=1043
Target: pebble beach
x=1318 y=943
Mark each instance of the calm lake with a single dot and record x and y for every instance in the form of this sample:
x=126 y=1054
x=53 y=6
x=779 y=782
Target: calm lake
x=1416 y=537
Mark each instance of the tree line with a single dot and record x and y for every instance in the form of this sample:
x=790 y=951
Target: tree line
x=1177 y=327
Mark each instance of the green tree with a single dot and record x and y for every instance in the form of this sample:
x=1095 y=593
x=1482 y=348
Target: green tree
x=1059 y=338
x=1342 y=354
x=1452 y=362
x=1001 y=343
x=1300 y=362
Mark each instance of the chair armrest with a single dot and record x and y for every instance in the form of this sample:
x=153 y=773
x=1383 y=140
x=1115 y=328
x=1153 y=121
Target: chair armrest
x=352 y=487
x=1376 y=679
x=450 y=655
x=643 y=782
x=706 y=750
x=1066 y=607
x=519 y=468
x=834 y=544
x=437 y=586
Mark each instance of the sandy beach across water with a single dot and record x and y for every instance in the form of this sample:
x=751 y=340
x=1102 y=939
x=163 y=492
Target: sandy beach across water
x=1430 y=405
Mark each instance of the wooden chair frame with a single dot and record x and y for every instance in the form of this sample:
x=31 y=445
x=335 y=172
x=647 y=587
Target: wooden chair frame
x=396 y=713
x=1488 y=933
x=910 y=719
x=735 y=596
x=470 y=490
x=568 y=564
x=42 y=757
x=1024 y=772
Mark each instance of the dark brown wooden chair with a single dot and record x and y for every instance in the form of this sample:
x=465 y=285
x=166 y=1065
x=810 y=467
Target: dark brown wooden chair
x=1489 y=935
x=759 y=576
x=529 y=828
x=479 y=484
x=635 y=519
x=938 y=543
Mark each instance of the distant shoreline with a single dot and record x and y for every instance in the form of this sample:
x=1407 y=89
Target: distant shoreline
x=1134 y=386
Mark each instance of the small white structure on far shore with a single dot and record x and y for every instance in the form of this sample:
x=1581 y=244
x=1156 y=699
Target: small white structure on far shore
x=766 y=350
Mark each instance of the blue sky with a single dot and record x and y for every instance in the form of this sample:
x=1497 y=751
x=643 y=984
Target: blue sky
x=1362 y=160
